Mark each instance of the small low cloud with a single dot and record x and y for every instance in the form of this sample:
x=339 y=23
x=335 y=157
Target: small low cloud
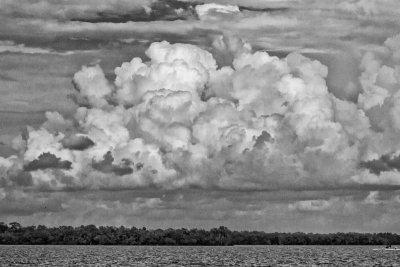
x=77 y=142
x=310 y=205
x=106 y=165
x=47 y=161
x=384 y=163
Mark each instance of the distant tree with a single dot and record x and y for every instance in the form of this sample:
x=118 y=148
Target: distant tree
x=15 y=227
x=221 y=236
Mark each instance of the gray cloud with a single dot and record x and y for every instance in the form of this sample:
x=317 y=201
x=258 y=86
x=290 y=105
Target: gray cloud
x=106 y=165
x=77 y=142
x=260 y=141
x=384 y=163
x=47 y=161
x=158 y=10
x=65 y=9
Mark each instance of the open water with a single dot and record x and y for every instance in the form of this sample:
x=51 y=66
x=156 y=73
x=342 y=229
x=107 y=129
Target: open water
x=196 y=256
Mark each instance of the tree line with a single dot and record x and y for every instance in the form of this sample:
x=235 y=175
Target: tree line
x=15 y=234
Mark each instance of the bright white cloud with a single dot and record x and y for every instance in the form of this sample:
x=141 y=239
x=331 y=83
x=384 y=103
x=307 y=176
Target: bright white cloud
x=206 y=10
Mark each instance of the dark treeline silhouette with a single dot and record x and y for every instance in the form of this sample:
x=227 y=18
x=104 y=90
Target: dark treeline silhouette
x=15 y=234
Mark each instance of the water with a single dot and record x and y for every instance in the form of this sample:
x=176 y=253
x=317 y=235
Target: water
x=196 y=256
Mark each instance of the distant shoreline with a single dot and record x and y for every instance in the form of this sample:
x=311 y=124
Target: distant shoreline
x=15 y=234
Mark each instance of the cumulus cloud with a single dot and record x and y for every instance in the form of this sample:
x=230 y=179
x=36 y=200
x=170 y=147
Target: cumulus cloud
x=92 y=86
x=379 y=98
x=251 y=122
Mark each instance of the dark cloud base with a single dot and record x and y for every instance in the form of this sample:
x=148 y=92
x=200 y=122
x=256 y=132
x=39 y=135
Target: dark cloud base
x=47 y=161
x=107 y=166
x=384 y=163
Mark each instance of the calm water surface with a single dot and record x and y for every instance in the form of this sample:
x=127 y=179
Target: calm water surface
x=196 y=256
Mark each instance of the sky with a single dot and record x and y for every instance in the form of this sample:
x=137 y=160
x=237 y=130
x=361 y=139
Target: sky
x=253 y=114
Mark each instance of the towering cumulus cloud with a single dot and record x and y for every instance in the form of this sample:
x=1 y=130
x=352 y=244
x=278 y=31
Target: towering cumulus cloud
x=380 y=81
x=179 y=120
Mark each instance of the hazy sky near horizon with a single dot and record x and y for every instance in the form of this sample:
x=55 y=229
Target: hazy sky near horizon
x=253 y=114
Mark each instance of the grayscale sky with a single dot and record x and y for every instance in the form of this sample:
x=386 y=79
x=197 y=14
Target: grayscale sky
x=254 y=114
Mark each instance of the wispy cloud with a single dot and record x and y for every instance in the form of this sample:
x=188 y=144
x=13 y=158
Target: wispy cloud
x=11 y=47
